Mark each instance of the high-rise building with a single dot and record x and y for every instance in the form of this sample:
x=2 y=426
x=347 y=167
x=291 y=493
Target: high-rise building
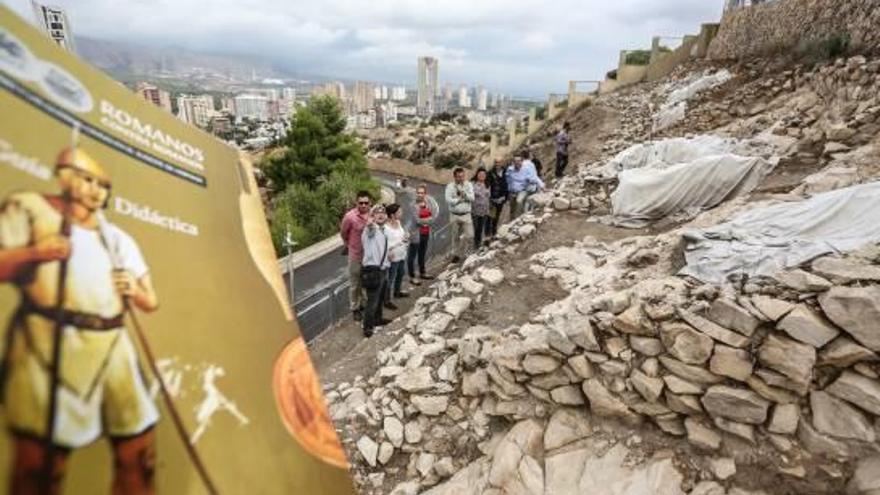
x=464 y=99
x=494 y=100
x=364 y=96
x=398 y=93
x=482 y=98
x=196 y=110
x=428 y=90
x=334 y=89
x=154 y=95
x=377 y=92
x=289 y=94
x=252 y=106
x=53 y=22
x=384 y=93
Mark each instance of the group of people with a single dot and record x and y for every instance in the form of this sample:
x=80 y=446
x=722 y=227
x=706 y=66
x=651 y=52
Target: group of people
x=475 y=206
x=386 y=242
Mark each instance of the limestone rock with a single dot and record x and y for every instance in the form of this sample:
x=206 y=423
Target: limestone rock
x=386 y=450
x=689 y=372
x=793 y=359
x=646 y=345
x=844 y=271
x=731 y=362
x=393 y=430
x=634 y=321
x=843 y=352
x=685 y=343
x=680 y=386
x=471 y=286
x=774 y=309
x=567 y=395
x=457 y=305
x=744 y=406
x=819 y=443
x=437 y=323
x=689 y=405
x=524 y=439
x=415 y=380
x=857 y=389
x=856 y=310
x=708 y=488
x=491 y=276
x=412 y=432
x=583 y=472
x=802 y=281
x=784 y=419
x=866 y=478
x=835 y=417
x=445 y=467
x=718 y=333
x=650 y=388
x=430 y=405
x=538 y=364
x=701 y=436
x=723 y=467
x=809 y=327
x=729 y=314
x=602 y=403
x=581 y=366
x=475 y=384
x=741 y=430
x=368 y=449
x=566 y=426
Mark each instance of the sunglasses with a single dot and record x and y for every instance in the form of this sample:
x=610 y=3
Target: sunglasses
x=367 y=203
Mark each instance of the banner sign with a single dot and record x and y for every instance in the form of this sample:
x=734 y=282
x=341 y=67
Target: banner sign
x=147 y=344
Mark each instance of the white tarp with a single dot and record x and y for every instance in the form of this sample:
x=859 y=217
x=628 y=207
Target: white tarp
x=768 y=239
x=675 y=108
x=665 y=152
x=702 y=83
x=650 y=193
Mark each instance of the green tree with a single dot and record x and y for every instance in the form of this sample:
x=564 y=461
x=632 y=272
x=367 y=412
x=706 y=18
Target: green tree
x=316 y=145
x=315 y=179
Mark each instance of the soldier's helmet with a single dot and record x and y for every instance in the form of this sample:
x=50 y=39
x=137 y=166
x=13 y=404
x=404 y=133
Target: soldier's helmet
x=77 y=159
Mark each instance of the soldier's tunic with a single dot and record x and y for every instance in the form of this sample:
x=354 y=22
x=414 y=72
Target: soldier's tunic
x=101 y=387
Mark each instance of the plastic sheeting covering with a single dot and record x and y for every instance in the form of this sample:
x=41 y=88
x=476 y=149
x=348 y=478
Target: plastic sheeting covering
x=675 y=108
x=768 y=239
x=666 y=152
x=702 y=83
x=651 y=193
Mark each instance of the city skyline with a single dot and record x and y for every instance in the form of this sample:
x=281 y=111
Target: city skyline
x=517 y=46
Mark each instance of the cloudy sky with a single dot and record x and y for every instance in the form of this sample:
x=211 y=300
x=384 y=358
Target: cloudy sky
x=525 y=47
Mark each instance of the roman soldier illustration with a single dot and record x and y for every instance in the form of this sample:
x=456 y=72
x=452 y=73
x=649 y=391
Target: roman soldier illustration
x=70 y=371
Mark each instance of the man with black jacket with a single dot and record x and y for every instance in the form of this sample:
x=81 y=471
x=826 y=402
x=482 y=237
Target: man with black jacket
x=497 y=194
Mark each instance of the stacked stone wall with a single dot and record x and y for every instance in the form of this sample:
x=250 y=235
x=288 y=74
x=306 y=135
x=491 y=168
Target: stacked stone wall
x=787 y=24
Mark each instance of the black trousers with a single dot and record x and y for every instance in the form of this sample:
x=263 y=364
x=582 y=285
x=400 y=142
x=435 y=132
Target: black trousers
x=482 y=227
x=375 y=300
x=494 y=218
x=561 y=163
x=417 y=252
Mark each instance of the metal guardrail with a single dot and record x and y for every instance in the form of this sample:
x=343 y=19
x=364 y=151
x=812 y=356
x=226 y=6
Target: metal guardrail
x=325 y=307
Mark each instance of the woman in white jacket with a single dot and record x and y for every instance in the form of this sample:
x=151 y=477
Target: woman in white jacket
x=398 y=246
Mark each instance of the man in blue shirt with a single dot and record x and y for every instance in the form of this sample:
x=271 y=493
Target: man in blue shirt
x=522 y=182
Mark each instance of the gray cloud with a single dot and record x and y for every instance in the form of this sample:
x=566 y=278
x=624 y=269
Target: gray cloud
x=517 y=46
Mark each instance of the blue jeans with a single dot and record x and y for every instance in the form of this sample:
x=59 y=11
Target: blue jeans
x=395 y=277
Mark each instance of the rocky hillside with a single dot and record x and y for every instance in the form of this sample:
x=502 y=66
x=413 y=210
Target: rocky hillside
x=578 y=356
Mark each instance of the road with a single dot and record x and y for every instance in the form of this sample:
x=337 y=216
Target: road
x=318 y=298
